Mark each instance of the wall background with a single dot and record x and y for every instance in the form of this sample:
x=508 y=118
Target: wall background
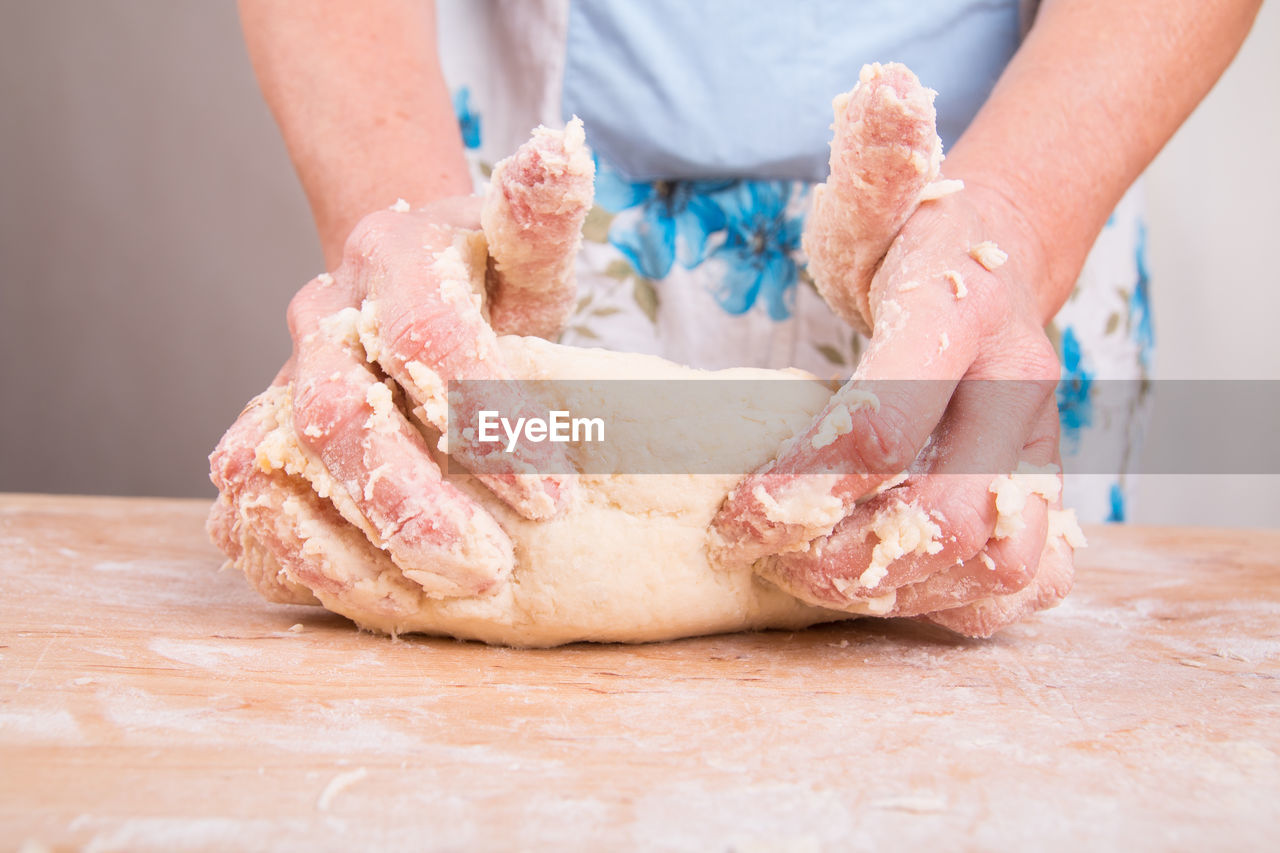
x=152 y=232
x=1214 y=225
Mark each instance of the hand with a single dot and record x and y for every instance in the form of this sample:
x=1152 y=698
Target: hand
x=405 y=304
x=828 y=519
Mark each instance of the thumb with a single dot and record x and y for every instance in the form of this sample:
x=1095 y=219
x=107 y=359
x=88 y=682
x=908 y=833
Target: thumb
x=533 y=213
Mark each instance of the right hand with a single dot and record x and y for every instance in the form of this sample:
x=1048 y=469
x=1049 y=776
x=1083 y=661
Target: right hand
x=824 y=520
x=405 y=304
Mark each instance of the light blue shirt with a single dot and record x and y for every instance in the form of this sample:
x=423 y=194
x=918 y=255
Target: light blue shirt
x=743 y=88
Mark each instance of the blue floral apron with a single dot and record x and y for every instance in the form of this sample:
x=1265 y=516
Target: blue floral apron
x=702 y=265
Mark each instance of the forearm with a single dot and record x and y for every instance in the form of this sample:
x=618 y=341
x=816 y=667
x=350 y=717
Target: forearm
x=357 y=90
x=1096 y=90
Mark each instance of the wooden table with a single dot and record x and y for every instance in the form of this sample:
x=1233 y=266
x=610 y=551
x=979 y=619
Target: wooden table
x=150 y=702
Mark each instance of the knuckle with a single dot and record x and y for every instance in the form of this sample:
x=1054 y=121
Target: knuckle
x=1043 y=445
x=1018 y=562
x=368 y=238
x=1013 y=574
x=968 y=527
x=322 y=408
x=298 y=309
x=883 y=444
x=1042 y=361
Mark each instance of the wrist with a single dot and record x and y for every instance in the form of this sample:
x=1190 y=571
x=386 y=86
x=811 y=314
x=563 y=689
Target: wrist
x=1014 y=226
x=365 y=191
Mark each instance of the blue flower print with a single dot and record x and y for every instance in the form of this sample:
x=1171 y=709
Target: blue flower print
x=758 y=248
x=1075 y=408
x=1116 y=497
x=659 y=222
x=468 y=121
x=1140 y=302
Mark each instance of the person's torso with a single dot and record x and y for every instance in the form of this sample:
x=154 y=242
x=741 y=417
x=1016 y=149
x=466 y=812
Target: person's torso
x=681 y=89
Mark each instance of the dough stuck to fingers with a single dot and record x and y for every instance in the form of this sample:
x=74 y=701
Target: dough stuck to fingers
x=345 y=433
x=233 y=536
x=537 y=201
x=1051 y=584
x=277 y=520
x=423 y=321
x=885 y=155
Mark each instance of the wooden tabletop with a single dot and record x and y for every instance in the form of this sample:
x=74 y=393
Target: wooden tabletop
x=150 y=702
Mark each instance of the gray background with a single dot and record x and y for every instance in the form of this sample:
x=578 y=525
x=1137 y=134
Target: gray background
x=152 y=232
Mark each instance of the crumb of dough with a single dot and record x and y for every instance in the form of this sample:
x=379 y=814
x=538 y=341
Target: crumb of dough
x=1064 y=525
x=834 y=425
x=957 y=282
x=809 y=501
x=908 y=286
x=986 y=560
x=878 y=606
x=944 y=343
x=902 y=529
x=431 y=390
x=893 y=482
x=882 y=604
x=383 y=418
x=989 y=255
x=1013 y=490
x=401 y=206
x=341 y=326
x=890 y=319
x=325 y=279
x=296 y=628
x=940 y=188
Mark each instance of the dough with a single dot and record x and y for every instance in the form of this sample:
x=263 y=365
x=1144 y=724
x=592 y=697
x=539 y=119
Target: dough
x=627 y=560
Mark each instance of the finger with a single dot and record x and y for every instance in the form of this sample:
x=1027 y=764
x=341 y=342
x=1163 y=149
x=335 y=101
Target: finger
x=1001 y=567
x=245 y=551
x=871 y=431
x=937 y=525
x=273 y=520
x=985 y=617
x=1029 y=519
x=884 y=153
x=1052 y=582
x=423 y=322
x=1003 y=548
x=346 y=435
x=233 y=472
x=537 y=201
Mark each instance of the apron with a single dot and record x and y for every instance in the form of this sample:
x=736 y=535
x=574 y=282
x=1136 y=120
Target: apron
x=707 y=153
